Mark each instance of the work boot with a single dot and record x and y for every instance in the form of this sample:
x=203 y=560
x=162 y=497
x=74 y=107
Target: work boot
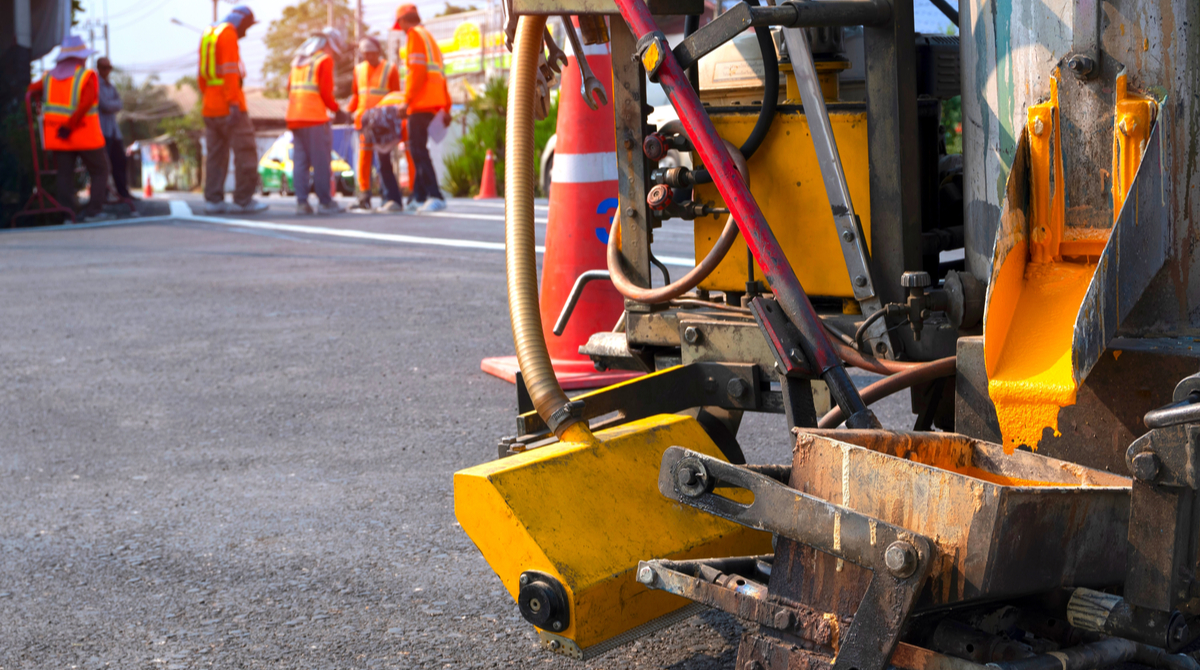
x=363 y=206
x=252 y=207
x=214 y=207
x=329 y=208
x=412 y=206
x=96 y=217
x=303 y=209
x=390 y=207
x=433 y=205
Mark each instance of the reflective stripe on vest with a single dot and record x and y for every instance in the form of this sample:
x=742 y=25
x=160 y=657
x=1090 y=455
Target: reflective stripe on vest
x=210 y=71
x=432 y=58
x=60 y=100
x=370 y=92
x=304 y=100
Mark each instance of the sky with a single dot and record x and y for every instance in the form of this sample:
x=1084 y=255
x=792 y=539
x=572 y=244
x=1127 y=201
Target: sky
x=144 y=41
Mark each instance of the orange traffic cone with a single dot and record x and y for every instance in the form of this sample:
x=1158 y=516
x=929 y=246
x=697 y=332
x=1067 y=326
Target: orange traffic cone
x=582 y=199
x=147 y=189
x=487 y=182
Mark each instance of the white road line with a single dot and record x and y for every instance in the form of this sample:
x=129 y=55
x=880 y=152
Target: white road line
x=181 y=212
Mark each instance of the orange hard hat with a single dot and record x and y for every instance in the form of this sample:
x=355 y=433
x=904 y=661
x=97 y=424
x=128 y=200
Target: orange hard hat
x=406 y=12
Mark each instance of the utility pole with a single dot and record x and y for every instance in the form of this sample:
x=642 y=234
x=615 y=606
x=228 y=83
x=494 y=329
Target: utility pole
x=214 y=11
x=329 y=7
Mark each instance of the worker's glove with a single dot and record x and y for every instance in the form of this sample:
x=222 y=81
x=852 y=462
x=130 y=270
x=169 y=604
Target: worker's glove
x=63 y=132
x=235 y=113
x=341 y=117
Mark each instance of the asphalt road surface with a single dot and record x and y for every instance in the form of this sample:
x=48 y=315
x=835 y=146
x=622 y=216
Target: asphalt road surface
x=232 y=447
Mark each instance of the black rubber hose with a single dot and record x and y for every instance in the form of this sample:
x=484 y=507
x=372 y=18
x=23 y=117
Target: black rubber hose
x=691 y=23
x=766 y=114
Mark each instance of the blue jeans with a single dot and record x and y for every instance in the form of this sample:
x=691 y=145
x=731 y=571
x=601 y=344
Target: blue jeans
x=425 y=184
x=387 y=176
x=312 y=147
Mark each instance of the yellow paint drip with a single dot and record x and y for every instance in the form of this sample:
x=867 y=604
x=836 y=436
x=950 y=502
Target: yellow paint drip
x=1032 y=376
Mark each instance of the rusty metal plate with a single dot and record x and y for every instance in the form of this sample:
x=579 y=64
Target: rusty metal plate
x=603 y=6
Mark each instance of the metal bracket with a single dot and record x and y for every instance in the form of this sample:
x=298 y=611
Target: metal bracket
x=1084 y=61
x=713 y=34
x=849 y=227
x=899 y=558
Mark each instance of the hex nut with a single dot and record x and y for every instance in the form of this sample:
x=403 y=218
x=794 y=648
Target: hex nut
x=523 y=580
x=645 y=575
x=901 y=559
x=784 y=620
x=691 y=477
x=860 y=281
x=1146 y=466
x=848 y=235
x=692 y=335
x=736 y=387
x=554 y=645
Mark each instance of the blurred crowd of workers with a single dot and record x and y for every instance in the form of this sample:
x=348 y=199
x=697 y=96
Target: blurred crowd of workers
x=383 y=113
x=79 y=123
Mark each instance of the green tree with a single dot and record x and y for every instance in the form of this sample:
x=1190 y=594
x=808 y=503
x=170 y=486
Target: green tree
x=484 y=116
x=186 y=130
x=144 y=106
x=288 y=32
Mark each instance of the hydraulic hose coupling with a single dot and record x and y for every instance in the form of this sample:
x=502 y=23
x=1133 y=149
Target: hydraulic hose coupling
x=659 y=197
x=654 y=146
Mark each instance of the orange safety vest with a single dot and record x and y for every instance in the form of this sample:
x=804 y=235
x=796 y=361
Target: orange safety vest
x=61 y=97
x=434 y=94
x=304 y=97
x=371 y=85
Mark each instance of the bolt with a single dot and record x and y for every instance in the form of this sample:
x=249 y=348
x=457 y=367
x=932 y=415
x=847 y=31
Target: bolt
x=1082 y=66
x=848 y=235
x=900 y=558
x=710 y=385
x=691 y=335
x=880 y=348
x=860 y=281
x=687 y=476
x=628 y=143
x=535 y=605
x=1178 y=634
x=1146 y=466
x=1038 y=127
x=736 y=387
x=795 y=355
x=646 y=574
x=524 y=579
x=784 y=619
x=554 y=645
x=1124 y=127
x=630 y=212
x=557 y=625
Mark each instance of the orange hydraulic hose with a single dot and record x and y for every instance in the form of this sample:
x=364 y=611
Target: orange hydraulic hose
x=694 y=276
x=520 y=260
x=918 y=374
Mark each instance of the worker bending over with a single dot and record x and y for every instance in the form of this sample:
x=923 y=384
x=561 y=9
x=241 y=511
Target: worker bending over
x=425 y=94
x=310 y=94
x=226 y=124
x=374 y=78
x=71 y=125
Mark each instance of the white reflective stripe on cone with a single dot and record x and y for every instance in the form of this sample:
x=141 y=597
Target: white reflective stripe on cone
x=584 y=168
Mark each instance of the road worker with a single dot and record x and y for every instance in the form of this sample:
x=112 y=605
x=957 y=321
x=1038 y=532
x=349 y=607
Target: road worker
x=71 y=125
x=425 y=96
x=374 y=78
x=226 y=123
x=310 y=96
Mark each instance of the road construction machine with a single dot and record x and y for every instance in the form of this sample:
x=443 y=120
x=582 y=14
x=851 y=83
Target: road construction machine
x=1042 y=512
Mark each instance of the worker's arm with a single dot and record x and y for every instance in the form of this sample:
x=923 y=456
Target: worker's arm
x=353 y=104
x=229 y=65
x=325 y=84
x=415 y=61
x=89 y=92
x=35 y=88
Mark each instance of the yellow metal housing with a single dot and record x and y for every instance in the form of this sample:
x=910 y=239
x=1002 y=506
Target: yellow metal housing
x=787 y=185
x=586 y=513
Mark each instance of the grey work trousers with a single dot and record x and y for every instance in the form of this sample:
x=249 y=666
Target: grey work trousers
x=95 y=161
x=312 y=146
x=222 y=133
